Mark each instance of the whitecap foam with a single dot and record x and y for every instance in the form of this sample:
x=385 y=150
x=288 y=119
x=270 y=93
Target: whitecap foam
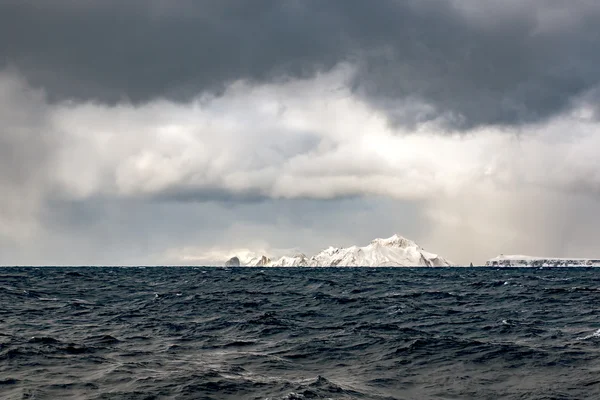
x=593 y=335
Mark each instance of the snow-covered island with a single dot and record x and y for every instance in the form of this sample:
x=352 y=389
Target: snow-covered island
x=395 y=251
x=529 y=261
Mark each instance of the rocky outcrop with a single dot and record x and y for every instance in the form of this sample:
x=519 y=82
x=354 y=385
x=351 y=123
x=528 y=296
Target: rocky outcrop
x=233 y=262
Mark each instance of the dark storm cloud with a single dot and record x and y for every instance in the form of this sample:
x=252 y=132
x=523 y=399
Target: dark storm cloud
x=139 y=50
x=470 y=62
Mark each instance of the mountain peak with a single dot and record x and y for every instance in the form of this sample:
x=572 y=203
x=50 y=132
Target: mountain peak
x=394 y=241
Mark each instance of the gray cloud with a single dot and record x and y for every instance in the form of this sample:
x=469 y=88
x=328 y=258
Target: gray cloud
x=476 y=195
x=465 y=61
x=27 y=148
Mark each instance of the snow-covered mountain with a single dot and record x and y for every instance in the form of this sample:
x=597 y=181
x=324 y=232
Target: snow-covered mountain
x=395 y=251
x=529 y=261
x=298 y=260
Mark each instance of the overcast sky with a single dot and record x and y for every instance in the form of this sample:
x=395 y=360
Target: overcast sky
x=182 y=132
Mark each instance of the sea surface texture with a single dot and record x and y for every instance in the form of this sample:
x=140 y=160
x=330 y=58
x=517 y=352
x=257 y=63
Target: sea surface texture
x=277 y=333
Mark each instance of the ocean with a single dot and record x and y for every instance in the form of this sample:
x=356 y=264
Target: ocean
x=299 y=333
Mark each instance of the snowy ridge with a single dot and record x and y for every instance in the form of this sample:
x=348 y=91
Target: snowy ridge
x=530 y=261
x=395 y=251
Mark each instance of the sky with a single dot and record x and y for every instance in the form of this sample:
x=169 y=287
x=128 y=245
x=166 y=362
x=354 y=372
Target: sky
x=176 y=132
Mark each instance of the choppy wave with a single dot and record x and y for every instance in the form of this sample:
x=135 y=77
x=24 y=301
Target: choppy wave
x=215 y=333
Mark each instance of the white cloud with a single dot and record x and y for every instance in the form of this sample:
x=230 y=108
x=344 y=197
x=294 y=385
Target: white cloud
x=307 y=139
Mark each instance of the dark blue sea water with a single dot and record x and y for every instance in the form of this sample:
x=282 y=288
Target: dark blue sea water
x=275 y=333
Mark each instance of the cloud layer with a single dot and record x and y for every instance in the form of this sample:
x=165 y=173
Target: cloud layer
x=468 y=62
x=310 y=141
x=165 y=131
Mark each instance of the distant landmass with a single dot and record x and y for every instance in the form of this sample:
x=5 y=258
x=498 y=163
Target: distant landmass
x=395 y=251
x=530 y=261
